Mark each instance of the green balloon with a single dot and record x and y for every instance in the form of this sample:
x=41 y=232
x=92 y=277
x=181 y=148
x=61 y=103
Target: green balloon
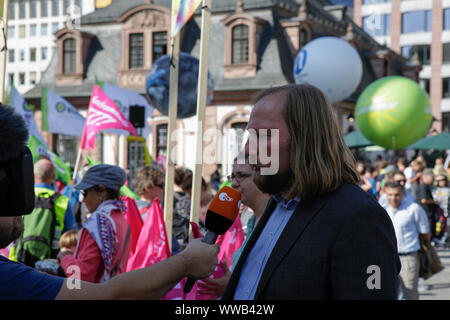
x=393 y=112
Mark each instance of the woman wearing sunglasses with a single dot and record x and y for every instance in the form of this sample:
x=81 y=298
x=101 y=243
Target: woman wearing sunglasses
x=103 y=246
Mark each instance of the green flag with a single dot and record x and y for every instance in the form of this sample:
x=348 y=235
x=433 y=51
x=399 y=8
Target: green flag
x=124 y=190
x=38 y=149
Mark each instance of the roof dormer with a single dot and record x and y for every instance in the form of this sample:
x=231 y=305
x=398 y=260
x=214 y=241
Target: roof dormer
x=72 y=48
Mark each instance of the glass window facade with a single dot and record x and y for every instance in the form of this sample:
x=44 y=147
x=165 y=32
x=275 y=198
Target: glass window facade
x=377 y=25
x=446 y=24
x=446 y=53
x=445 y=87
x=420 y=53
x=375 y=1
x=416 y=21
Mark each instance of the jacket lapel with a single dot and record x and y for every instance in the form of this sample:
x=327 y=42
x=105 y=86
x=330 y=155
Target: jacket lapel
x=248 y=247
x=304 y=213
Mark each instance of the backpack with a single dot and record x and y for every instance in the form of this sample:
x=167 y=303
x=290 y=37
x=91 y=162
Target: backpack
x=441 y=224
x=40 y=238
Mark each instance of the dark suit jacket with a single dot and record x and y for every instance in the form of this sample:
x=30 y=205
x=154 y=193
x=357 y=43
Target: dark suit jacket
x=325 y=250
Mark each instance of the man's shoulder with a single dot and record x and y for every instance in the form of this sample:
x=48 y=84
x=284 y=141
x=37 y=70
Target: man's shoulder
x=349 y=199
x=18 y=281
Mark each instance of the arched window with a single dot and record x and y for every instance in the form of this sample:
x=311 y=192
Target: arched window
x=69 y=56
x=239 y=44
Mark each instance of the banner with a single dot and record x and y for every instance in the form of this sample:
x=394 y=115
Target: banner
x=231 y=241
x=182 y=11
x=59 y=116
x=152 y=246
x=22 y=108
x=102 y=114
x=134 y=220
x=38 y=149
x=124 y=98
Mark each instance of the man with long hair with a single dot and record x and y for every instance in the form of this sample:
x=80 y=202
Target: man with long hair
x=321 y=236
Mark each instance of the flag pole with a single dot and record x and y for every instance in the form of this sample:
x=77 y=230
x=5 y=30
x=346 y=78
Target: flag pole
x=201 y=106
x=4 y=50
x=170 y=166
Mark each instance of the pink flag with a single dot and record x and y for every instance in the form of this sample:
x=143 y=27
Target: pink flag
x=134 y=221
x=102 y=114
x=231 y=241
x=152 y=245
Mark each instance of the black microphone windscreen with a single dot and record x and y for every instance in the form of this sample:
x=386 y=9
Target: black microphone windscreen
x=13 y=134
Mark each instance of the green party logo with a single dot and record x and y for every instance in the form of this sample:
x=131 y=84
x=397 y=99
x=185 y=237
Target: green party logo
x=26 y=107
x=60 y=107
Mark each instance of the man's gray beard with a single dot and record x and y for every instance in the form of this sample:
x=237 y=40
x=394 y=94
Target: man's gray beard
x=8 y=235
x=277 y=184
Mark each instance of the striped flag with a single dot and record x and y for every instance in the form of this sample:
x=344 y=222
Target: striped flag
x=182 y=11
x=59 y=116
x=102 y=114
x=124 y=98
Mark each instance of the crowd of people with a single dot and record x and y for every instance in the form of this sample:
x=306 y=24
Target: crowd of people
x=317 y=225
x=426 y=186
x=417 y=200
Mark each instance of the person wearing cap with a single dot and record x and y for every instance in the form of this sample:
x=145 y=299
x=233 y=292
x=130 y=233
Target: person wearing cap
x=104 y=245
x=19 y=282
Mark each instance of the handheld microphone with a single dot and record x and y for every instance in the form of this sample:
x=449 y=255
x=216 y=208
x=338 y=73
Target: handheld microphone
x=221 y=214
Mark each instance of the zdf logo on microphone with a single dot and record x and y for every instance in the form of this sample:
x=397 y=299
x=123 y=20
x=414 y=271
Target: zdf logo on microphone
x=224 y=197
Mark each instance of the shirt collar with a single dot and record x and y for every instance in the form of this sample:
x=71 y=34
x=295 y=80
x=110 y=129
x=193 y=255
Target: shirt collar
x=289 y=205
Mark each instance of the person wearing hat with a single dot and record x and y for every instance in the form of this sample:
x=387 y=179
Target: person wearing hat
x=103 y=246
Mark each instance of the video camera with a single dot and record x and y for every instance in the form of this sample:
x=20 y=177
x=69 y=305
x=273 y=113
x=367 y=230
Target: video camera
x=17 y=185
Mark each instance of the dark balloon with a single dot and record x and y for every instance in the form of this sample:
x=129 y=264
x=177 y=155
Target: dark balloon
x=157 y=85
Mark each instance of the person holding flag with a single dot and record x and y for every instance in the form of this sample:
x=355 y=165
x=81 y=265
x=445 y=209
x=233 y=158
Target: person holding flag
x=103 y=246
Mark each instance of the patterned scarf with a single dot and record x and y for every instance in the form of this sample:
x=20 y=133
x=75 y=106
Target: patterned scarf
x=102 y=228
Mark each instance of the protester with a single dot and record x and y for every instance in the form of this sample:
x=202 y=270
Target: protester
x=205 y=196
x=79 y=210
x=402 y=164
x=365 y=183
x=104 y=244
x=410 y=223
x=425 y=199
x=320 y=232
x=18 y=281
x=216 y=176
x=69 y=240
x=51 y=217
x=413 y=174
x=251 y=196
x=399 y=177
x=149 y=184
x=441 y=195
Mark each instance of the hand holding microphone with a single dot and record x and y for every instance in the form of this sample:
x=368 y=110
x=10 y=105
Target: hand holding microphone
x=220 y=216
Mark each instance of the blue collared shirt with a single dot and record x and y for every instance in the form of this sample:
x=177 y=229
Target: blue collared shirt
x=69 y=220
x=257 y=258
x=409 y=221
